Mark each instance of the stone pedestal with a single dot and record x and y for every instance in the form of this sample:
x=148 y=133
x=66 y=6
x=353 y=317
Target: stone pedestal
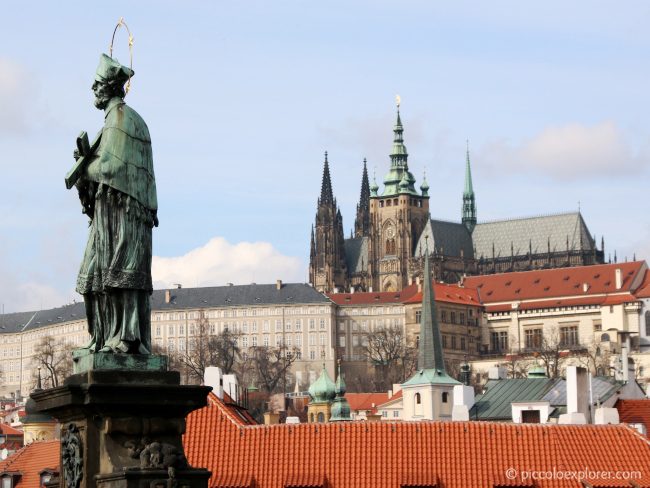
x=121 y=427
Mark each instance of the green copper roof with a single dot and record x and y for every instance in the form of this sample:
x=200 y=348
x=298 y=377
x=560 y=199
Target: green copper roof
x=399 y=171
x=431 y=377
x=424 y=187
x=340 y=407
x=323 y=389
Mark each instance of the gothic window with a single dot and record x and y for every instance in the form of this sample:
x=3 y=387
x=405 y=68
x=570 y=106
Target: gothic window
x=390 y=246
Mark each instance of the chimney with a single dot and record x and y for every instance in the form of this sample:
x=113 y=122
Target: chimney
x=230 y=386
x=271 y=418
x=168 y=296
x=497 y=373
x=463 y=402
x=585 y=287
x=625 y=363
x=214 y=378
x=577 y=396
x=605 y=416
x=390 y=394
x=619 y=278
x=278 y=284
x=352 y=289
x=370 y=289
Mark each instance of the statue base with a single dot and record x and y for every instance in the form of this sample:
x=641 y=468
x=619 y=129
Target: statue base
x=85 y=360
x=123 y=428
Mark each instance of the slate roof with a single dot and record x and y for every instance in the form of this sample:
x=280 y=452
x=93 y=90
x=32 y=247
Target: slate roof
x=447 y=238
x=532 y=230
x=237 y=296
x=182 y=298
x=397 y=454
x=495 y=403
x=356 y=254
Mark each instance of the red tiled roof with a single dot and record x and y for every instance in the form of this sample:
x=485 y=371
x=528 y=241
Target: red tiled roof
x=394 y=454
x=237 y=414
x=6 y=429
x=368 y=298
x=450 y=294
x=566 y=302
x=558 y=282
x=394 y=398
x=31 y=460
x=635 y=412
x=365 y=401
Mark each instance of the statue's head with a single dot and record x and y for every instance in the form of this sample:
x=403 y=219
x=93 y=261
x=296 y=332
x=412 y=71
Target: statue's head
x=110 y=78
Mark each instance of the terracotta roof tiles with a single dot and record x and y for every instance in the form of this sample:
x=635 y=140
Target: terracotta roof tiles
x=396 y=454
x=635 y=412
x=30 y=461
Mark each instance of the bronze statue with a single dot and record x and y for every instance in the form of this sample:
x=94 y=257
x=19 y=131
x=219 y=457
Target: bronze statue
x=117 y=189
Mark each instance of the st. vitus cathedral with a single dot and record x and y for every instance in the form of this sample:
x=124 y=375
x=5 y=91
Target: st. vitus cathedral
x=394 y=229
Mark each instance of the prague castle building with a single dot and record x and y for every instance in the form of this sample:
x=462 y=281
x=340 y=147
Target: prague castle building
x=394 y=228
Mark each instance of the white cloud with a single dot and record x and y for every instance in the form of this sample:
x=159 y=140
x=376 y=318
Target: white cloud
x=569 y=152
x=219 y=262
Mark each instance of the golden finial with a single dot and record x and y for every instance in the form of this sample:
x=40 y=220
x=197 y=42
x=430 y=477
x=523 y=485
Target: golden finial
x=121 y=23
x=398 y=100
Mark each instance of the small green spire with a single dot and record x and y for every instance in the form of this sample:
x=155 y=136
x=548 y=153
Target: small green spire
x=398 y=164
x=374 y=187
x=469 y=200
x=340 y=407
x=424 y=187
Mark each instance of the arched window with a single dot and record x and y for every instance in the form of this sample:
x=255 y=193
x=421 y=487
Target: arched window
x=445 y=397
x=418 y=399
x=321 y=417
x=311 y=418
x=604 y=338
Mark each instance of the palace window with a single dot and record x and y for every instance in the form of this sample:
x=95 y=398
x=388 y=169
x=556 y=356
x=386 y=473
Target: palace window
x=569 y=336
x=418 y=316
x=533 y=338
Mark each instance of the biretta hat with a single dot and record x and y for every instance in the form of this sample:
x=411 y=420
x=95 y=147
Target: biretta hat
x=110 y=69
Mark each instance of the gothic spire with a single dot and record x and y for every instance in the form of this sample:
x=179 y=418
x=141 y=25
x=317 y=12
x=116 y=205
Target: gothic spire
x=469 y=200
x=430 y=351
x=326 y=194
x=362 y=222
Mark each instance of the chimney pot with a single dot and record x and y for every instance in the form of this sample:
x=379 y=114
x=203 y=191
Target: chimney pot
x=278 y=284
x=168 y=296
x=619 y=278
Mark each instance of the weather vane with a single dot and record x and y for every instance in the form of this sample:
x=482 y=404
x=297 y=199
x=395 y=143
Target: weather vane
x=398 y=100
x=121 y=23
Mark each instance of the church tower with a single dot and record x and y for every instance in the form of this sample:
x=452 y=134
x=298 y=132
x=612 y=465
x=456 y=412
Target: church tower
x=397 y=218
x=327 y=269
x=362 y=222
x=469 y=202
x=428 y=394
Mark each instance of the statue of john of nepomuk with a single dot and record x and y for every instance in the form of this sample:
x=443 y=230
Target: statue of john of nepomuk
x=117 y=190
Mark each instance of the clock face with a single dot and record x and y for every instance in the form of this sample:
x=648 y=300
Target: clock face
x=390 y=232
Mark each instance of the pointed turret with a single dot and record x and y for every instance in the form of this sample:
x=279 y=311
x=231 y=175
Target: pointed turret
x=326 y=194
x=362 y=222
x=430 y=353
x=399 y=170
x=469 y=201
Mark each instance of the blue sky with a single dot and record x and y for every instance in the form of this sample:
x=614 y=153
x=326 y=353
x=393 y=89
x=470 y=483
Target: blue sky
x=243 y=98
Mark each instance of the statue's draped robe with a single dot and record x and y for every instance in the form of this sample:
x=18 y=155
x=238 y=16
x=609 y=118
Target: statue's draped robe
x=115 y=275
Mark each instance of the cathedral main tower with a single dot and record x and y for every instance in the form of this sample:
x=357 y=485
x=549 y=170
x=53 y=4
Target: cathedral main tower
x=327 y=268
x=397 y=218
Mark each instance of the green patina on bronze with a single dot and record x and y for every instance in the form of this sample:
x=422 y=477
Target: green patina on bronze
x=85 y=360
x=117 y=189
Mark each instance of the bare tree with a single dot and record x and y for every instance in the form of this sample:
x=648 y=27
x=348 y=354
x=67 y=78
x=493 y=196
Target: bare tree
x=394 y=357
x=205 y=349
x=271 y=365
x=596 y=359
x=54 y=358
